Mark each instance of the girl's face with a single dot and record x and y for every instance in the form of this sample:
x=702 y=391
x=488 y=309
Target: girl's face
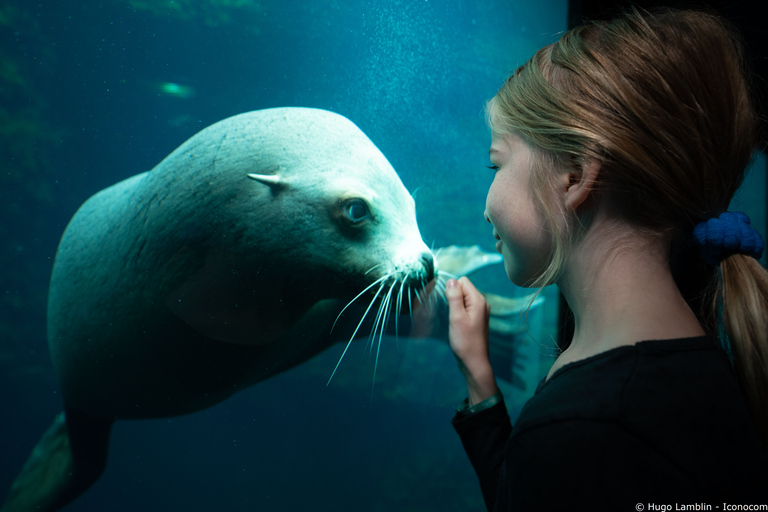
x=518 y=225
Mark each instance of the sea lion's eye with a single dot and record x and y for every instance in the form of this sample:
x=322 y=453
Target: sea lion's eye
x=356 y=211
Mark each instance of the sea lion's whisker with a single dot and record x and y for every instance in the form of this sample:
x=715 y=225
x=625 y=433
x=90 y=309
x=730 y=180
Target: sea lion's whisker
x=386 y=308
x=374 y=268
x=435 y=293
x=431 y=300
x=420 y=294
x=398 y=306
x=445 y=275
x=389 y=308
x=441 y=281
x=440 y=289
x=410 y=305
x=358 y=326
x=376 y=322
x=358 y=296
x=400 y=302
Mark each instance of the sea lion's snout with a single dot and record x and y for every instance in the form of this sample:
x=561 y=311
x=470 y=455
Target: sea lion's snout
x=428 y=259
x=415 y=266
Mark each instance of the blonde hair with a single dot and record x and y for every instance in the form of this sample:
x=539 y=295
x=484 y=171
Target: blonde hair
x=662 y=101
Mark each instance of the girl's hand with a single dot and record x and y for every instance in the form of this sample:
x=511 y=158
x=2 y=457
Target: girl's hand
x=468 y=336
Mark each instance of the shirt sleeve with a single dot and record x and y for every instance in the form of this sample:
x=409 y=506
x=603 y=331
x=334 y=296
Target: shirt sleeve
x=464 y=409
x=484 y=434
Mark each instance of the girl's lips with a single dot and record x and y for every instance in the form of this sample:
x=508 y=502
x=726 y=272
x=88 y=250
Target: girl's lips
x=498 y=241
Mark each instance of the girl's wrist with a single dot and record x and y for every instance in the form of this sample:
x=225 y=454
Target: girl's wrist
x=481 y=383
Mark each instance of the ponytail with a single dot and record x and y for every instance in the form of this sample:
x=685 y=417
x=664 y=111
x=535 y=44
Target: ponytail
x=743 y=296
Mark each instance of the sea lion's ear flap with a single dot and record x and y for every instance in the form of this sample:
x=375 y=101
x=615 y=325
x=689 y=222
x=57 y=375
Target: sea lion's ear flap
x=272 y=180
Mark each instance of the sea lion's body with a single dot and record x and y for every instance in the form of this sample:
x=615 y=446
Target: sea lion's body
x=175 y=288
x=224 y=265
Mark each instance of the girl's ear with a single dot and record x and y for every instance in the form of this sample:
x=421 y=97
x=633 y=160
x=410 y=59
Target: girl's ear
x=580 y=186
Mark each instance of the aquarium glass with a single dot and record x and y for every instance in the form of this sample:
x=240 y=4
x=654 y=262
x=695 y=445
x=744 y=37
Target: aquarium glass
x=94 y=92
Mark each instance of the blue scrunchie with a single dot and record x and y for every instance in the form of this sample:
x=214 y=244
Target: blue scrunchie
x=727 y=234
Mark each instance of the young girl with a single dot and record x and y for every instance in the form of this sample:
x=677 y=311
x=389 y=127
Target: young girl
x=616 y=152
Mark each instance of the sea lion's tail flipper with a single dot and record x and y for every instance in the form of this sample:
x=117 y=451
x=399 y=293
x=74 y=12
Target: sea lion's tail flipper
x=68 y=459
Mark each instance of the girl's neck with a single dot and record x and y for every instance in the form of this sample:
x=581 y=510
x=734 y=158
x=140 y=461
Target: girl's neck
x=620 y=287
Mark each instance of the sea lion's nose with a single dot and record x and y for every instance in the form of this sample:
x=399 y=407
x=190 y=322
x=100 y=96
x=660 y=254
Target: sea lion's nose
x=429 y=264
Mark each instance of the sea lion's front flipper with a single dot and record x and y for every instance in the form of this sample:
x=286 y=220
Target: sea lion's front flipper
x=457 y=260
x=68 y=459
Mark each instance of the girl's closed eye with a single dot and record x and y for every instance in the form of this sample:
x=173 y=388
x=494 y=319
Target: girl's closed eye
x=493 y=167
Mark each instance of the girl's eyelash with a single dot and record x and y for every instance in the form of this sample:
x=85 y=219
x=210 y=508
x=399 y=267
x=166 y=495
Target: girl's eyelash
x=493 y=167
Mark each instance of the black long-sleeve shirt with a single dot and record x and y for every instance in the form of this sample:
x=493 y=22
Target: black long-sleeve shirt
x=661 y=422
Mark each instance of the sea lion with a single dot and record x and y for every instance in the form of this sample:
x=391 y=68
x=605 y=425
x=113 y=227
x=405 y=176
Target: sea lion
x=224 y=265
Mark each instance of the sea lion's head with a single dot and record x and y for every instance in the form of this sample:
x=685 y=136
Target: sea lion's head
x=336 y=209
x=275 y=210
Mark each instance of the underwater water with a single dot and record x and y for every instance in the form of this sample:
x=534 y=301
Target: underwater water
x=95 y=92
